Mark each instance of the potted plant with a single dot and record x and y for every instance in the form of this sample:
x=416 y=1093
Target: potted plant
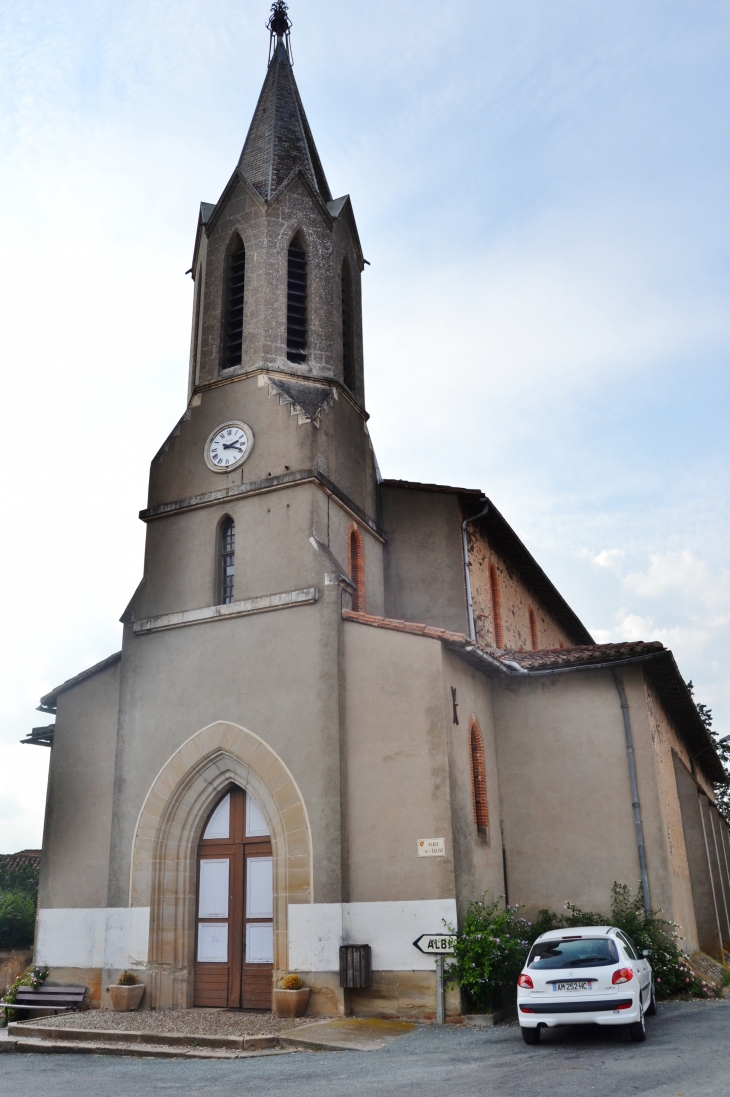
x=127 y=994
x=291 y=999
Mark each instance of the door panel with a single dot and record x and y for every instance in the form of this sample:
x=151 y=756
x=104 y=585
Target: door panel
x=234 y=939
x=213 y=890
x=213 y=942
x=259 y=887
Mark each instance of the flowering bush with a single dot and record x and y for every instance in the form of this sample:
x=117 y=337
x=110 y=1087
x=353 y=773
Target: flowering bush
x=34 y=977
x=489 y=953
x=492 y=947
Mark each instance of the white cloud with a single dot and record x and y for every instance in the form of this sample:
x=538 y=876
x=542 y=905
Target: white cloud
x=609 y=558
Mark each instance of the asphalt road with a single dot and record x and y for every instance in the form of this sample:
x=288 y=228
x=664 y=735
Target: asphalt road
x=686 y=1054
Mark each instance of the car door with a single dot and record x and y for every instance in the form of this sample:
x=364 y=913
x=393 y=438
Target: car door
x=640 y=967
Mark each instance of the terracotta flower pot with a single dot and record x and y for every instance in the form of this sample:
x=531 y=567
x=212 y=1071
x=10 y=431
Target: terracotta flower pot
x=291 y=1003
x=125 y=999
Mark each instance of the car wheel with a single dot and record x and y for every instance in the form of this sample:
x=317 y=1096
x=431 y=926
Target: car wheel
x=637 y=1029
x=531 y=1035
x=651 y=1008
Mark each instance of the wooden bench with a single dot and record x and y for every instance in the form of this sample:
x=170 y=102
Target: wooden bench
x=56 y=999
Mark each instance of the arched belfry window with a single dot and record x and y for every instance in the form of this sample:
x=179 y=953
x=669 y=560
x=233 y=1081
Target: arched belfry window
x=356 y=567
x=226 y=561
x=235 y=279
x=496 y=607
x=296 y=302
x=478 y=776
x=348 y=342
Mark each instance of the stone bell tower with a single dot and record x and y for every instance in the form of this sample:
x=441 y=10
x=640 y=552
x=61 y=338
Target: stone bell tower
x=277 y=260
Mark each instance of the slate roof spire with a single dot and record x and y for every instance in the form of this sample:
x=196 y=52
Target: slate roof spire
x=279 y=139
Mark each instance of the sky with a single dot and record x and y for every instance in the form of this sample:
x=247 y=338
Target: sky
x=542 y=193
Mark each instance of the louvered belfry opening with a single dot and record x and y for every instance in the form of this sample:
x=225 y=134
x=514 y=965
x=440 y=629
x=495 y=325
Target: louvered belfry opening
x=348 y=351
x=296 y=303
x=234 y=305
x=227 y=561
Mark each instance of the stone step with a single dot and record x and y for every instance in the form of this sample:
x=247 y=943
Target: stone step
x=140 y=1050
x=120 y=1036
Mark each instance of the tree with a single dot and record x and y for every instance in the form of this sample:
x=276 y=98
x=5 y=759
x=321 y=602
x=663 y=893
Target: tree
x=722 y=791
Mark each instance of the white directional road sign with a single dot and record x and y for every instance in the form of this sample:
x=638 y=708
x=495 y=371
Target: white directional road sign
x=435 y=944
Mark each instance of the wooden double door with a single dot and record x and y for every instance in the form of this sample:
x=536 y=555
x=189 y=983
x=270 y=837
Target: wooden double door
x=234 y=902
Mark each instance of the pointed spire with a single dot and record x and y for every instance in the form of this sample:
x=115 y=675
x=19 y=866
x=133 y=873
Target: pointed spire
x=279 y=139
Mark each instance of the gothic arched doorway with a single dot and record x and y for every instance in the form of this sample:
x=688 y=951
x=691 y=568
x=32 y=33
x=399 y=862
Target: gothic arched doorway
x=234 y=940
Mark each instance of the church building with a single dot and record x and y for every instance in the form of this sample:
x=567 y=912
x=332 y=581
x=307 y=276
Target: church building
x=344 y=706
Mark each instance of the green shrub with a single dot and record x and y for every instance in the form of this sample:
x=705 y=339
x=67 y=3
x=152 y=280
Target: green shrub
x=17 y=919
x=492 y=947
x=127 y=979
x=489 y=954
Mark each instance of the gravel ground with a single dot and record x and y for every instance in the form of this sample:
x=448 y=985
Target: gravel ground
x=198 y=1022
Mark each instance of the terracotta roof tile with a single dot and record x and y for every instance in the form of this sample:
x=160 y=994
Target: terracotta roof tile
x=583 y=655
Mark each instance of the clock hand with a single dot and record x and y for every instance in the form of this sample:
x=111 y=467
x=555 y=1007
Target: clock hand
x=232 y=445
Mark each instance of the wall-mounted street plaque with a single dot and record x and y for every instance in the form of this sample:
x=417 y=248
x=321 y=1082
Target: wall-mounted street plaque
x=431 y=847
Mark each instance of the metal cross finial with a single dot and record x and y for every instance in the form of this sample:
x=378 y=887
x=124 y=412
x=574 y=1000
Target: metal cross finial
x=279 y=22
x=279 y=25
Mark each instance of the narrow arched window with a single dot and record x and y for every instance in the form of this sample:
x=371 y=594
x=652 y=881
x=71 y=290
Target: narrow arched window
x=227 y=564
x=235 y=279
x=496 y=607
x=478 y=775
x=356 y=567
x=296 y=302
x=533 y=630
x=348 y=342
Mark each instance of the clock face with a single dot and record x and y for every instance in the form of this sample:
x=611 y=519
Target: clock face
x=228 y=446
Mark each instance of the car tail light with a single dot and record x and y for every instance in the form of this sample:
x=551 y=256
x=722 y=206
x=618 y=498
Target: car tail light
x=526 y=982
x=623 y=975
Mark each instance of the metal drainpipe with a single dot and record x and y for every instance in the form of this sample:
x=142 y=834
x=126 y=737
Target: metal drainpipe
x=634 y=794
x=467 y=579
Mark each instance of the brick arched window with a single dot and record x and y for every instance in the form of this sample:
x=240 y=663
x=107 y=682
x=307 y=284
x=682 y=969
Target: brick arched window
x=478 y=775
x=496 y=607
x=533 y=630
x=356 y=566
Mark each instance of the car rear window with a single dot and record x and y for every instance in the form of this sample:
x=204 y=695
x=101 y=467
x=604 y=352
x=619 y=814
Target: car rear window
x=586 y=952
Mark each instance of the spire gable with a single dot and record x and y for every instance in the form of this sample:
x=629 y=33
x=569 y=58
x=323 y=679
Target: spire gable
x=279 y=139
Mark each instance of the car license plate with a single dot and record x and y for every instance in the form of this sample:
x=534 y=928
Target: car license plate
x=580 y=985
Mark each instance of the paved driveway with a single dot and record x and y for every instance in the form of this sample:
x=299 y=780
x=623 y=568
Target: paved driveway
x=687 y=1054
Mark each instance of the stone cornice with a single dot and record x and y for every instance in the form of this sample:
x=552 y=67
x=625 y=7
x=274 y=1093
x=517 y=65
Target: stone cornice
x=260 y=487
x=264 y=604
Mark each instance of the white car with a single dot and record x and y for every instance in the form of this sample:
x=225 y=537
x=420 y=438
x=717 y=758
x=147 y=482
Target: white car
x=592 y=975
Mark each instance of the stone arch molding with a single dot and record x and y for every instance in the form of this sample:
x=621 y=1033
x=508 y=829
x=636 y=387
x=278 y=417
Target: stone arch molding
x=163 y=870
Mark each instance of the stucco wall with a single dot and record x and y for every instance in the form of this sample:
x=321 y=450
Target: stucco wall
x=478 y=857
x=77 y=830
x=424 y=567
x=397 y=783
x=565 y=792
x=666 y=743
